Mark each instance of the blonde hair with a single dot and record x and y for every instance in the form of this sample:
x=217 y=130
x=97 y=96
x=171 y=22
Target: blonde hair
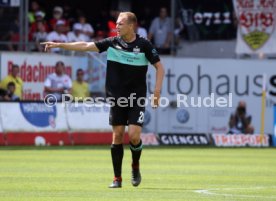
x=131 y=17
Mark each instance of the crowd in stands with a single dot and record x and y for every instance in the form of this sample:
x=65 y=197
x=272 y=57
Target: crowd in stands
x=61 y=26
x=58 y=28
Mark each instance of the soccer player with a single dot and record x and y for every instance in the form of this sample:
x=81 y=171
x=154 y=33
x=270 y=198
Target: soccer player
x=127 y=62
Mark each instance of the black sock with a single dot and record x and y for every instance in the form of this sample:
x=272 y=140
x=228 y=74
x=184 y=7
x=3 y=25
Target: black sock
x=117 y=154
x=136 y=151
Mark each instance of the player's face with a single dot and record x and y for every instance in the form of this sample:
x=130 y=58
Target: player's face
x=122 y=26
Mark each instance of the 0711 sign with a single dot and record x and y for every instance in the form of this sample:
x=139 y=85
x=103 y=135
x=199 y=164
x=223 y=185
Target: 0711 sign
x=210 y=18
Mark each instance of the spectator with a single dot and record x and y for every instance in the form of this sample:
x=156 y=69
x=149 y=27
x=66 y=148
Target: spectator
x=39 y=18
x=13 y=77
x=240 y=121
x=40 y=36
x=58 y=83
x=161 y=32
x=77 y=34
x=35 y=7
x=87 y=29
x=57 y=16
x=57 y=35
x=8 y=95
x=111 y=24
x=142 y=31
x=80 y=88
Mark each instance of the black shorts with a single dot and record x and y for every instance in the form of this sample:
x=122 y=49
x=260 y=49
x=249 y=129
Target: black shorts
x=126 y=115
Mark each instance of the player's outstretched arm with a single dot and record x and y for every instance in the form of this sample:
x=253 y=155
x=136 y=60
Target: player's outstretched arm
x=74 y=46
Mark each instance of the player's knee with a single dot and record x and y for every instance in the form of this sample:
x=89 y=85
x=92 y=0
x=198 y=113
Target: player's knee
x=118 y=138
x=118 y=134
x=134 y=139
x=134 y=134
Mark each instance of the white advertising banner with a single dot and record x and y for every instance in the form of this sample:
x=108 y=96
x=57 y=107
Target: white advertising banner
x=198 y=85
x=82 y=117
x=97 y=71
x=32 y=117
x=149 y=120
x=34 y=68
x=256 y=26
x=204 y=80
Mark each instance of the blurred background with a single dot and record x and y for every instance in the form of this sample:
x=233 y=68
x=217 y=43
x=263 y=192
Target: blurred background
x=210 y=49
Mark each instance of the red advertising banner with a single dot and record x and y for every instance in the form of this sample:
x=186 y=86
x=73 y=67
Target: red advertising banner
x=240 y=140
x=38 y=139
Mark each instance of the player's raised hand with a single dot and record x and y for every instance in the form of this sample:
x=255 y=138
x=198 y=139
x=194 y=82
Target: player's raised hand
x=49 y=45
x=155 y=99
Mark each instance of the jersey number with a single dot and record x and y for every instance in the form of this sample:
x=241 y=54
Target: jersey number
x=141 y=117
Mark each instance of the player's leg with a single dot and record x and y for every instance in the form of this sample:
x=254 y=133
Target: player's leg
x=135 y=143
x=136 y=118
x=118 y=120
x=117 y=154
x=136 y=146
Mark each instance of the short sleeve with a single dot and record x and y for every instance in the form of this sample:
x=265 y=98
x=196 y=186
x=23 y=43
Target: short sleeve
x=104 y=44
x=47 y=82
x=70 y=84
x=151 y=53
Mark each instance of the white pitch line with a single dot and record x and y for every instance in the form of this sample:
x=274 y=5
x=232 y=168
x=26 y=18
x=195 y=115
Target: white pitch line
x=208 y=192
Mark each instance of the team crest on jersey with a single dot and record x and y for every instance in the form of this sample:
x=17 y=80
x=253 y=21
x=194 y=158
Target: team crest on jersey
x=136 y=50
x=118 y=47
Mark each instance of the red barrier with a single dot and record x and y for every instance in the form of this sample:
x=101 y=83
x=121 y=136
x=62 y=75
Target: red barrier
x=38 y=139
x=2 y=139
x=94 y=138
x=64 y=138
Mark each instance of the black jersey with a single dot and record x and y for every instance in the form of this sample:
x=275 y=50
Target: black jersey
x=127 y=65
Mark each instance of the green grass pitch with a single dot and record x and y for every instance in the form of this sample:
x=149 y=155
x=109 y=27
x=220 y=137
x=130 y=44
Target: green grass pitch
x=83 y=173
